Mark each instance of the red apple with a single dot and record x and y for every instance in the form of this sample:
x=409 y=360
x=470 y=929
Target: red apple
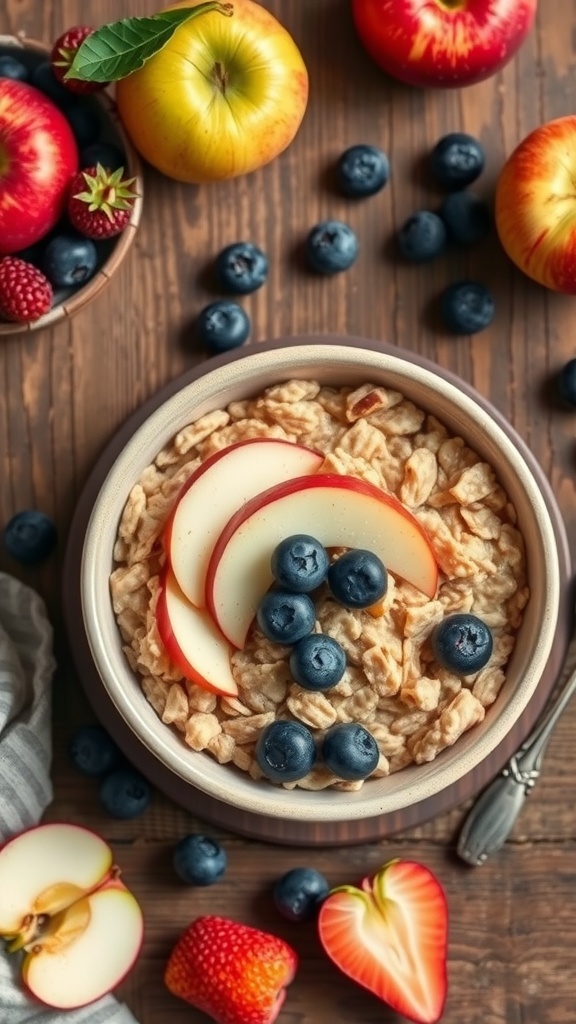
x=193 y=641
x=340 y=511
x=62 y=902
x=214 y=492
x=442 y=42
x=38 y=156
x=535 y=205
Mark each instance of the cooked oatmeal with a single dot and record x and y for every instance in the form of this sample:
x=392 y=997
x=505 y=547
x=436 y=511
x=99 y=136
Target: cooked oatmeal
x=392 y=684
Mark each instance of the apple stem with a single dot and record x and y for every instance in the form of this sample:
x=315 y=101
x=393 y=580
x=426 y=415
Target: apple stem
x=220 y=77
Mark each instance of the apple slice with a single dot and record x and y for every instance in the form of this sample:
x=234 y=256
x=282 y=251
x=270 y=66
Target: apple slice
x=340 y=511
x=193 y=640
x=223 y=483
x=63 y=903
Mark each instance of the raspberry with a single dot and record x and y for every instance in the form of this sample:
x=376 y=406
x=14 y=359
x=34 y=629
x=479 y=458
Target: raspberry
x=63 y=53
x=25 y=293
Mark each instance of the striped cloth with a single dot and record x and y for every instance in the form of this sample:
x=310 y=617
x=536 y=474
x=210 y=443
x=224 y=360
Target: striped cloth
x=26 y=669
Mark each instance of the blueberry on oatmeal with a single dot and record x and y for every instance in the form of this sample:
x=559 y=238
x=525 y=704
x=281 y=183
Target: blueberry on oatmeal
x=300 y=563
x=285 y=751
x=462 y=643
x=317 y=662
x=358 y=579
x=350 y=751
x=285 y=617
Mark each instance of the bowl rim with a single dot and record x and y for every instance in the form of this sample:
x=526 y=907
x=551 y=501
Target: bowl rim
x=263 y=799
x=134 y=167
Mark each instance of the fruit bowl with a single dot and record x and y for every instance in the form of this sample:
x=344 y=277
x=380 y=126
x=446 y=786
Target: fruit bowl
x=195 y=778
x=110 y=252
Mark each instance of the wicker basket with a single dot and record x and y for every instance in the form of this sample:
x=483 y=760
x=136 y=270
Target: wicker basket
x=69 y=301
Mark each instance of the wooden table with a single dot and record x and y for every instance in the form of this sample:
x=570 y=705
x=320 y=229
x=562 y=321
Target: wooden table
x=66 y=391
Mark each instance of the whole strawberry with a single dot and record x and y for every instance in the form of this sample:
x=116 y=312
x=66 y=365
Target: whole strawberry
x=62 y=55
x=100 y=201
x=25 y=293
x=234 y=973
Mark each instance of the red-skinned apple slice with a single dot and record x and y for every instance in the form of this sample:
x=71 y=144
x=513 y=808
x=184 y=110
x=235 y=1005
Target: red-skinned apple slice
x=214 y=492
x=193 y=641
x=63 y=903
x=340 y=511
x=390 y=935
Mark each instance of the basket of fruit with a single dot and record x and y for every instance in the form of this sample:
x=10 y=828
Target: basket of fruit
x=70 y=185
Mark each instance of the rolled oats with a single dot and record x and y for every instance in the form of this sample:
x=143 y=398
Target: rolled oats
x=413 y=707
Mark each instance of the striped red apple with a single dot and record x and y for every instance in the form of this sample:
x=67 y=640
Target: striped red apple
x=535 y=205
x=442 y=42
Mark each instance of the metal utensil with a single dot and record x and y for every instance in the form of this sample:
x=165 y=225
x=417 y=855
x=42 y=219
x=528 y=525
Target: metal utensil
x=492 y=817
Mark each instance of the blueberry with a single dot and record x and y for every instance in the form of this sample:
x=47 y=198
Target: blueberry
x=331 y=246
x=300 y=563
x=241 y=268
x=317 y=662
x=422 y=237
x=104 y=153
x=297 y=895
x=12 y=68
x=467 y=307
x=358 y=579
x=93 y=751
x=199 y=860
x=69 y=260
x=466 y=216
x=44 y=79
x=362 y=171
x=124 y=793
x=285 y=617
x=223 y=325
x=457 y=160
x=567 y=382
x=285 y=751
x=350 y=751
x=462 y=643
x=30 y=536
x=84 y=121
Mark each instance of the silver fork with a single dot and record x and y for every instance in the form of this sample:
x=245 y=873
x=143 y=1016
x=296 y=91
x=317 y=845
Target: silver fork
x=492 y=817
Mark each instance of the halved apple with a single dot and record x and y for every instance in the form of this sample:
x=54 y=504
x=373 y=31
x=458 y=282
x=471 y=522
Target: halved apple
x=340 y=511
x=193 y=640
x=63 y=903
x=220 y=486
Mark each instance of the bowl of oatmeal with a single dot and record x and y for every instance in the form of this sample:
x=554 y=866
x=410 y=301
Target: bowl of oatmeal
x=442 y=458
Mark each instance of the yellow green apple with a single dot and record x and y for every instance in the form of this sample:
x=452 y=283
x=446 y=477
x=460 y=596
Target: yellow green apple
x=222 y=98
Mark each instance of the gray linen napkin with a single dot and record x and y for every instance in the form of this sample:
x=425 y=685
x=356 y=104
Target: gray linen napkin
x=26 y=670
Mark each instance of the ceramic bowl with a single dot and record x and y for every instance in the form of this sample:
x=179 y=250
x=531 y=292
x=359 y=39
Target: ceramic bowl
x=111 y=252
x=333 y=362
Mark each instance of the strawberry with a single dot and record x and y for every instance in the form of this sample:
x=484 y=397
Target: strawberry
x=234 y=973
x=63 y=53
x=100 y=201
x=390 y=935
x=25 y=293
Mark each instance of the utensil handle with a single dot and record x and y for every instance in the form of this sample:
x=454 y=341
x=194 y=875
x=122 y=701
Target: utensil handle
x=492 y=817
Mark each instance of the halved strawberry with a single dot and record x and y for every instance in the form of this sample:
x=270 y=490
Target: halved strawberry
x=390 y=935
x=233 y=972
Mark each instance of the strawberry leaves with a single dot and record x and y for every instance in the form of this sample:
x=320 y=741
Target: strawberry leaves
x=390 y=935
x=121 y=47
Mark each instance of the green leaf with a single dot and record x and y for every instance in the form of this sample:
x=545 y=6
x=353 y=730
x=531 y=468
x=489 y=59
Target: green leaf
x=121 y=47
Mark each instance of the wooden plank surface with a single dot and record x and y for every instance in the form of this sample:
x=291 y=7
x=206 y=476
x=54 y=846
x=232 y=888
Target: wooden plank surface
x=67 y=390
